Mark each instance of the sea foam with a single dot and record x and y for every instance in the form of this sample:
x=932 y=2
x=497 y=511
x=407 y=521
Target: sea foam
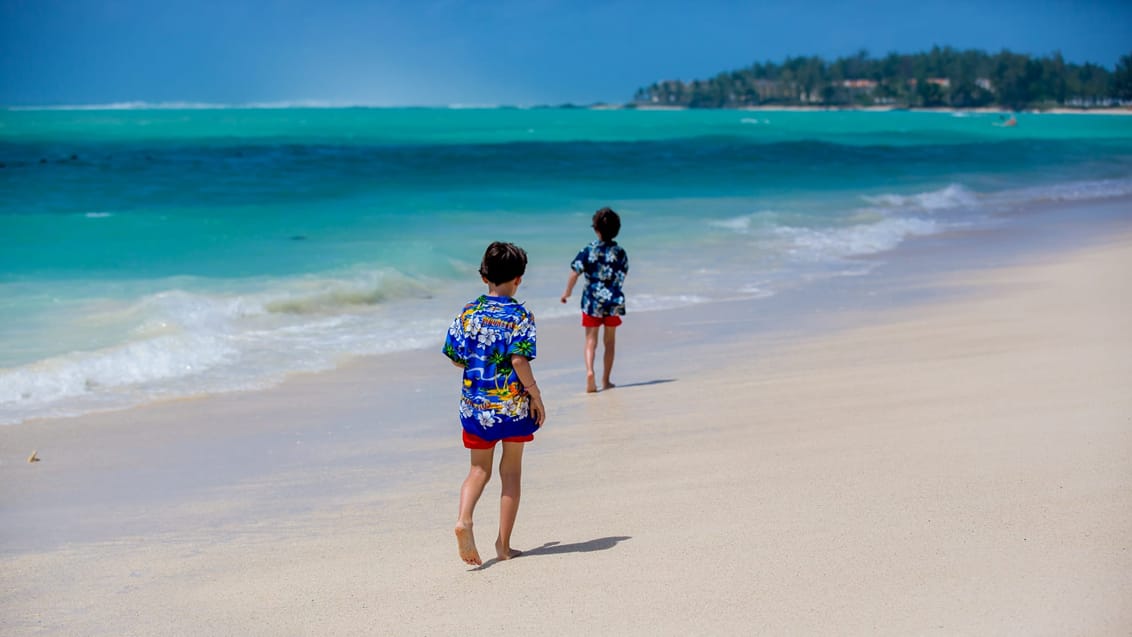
x=181 y=342
x=953 y=196
x=809 y=244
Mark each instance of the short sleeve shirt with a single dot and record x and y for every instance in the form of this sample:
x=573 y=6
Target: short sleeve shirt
x=605 y=264
x=483 y=338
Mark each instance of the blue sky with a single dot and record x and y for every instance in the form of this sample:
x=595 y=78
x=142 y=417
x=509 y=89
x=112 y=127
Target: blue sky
x=435 y=52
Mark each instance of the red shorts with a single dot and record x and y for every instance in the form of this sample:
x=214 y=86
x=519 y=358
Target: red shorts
x=472 y=441
x=598 y=321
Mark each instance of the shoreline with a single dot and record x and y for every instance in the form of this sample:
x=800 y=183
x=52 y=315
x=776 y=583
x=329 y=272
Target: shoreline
x=930 y=454
x=887 y=109
x=1064 y=213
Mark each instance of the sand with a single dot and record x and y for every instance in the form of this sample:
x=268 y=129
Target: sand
x=957 y=465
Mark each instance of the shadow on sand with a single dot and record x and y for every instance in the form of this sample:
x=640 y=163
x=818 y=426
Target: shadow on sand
x=646 y=382
x=557 y=548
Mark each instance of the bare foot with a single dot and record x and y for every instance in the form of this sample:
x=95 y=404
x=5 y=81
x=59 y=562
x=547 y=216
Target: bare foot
x=607 y=385
x=505 y=553
x=467 y=544
x=591 y=386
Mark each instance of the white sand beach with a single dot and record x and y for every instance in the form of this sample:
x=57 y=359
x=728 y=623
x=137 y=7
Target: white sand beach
x=957 y=465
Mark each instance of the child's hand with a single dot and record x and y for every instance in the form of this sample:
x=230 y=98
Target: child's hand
x=564 y=297
x=538 y=412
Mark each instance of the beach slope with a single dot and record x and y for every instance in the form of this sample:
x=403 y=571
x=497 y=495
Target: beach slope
x=963 y=466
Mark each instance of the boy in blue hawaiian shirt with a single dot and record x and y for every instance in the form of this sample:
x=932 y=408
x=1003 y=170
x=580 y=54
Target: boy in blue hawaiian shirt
x=605 y=265
x=493 y=341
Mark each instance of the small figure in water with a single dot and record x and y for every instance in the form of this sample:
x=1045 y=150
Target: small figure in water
x=1006 y=122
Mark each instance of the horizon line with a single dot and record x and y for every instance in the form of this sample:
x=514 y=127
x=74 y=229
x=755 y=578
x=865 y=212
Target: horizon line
x=282 y=104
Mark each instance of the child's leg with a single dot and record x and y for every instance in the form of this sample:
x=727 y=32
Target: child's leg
x=478 y=475
x=591 y=350
x=609 y=336
x=511 y=473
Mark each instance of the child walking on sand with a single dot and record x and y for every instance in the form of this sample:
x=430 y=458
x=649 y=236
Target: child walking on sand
x=493 y=341
x=605 y=265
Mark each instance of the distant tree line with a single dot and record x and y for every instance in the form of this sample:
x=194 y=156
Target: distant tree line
x=942 y=77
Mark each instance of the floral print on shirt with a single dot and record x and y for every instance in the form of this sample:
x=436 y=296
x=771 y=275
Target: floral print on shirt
x=493 y=403
x=604 y=264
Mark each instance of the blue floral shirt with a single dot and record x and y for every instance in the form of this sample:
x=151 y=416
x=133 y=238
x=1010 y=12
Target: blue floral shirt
x=489 y=330
x=605 y=265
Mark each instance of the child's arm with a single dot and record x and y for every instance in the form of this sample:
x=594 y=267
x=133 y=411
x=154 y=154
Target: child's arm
x=526 y=375
x=452 y=351
x=570 y=286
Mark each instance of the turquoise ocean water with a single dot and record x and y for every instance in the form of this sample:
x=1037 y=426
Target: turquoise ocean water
x=157 y=252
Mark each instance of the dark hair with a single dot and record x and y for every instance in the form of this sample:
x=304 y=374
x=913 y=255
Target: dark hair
x=607 y=223
x=503 y=262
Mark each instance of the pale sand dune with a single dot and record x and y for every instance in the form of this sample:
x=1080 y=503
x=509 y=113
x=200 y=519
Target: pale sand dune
x=961 y=467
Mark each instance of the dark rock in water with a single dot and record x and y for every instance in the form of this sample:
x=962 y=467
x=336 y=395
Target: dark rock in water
x=74 y=157
x=299 y=237
x=1 y=164
x=43 y=160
